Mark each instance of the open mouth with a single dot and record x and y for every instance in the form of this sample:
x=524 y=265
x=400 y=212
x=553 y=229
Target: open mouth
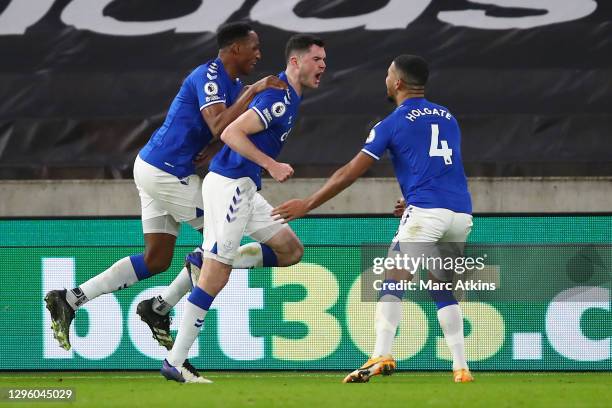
x=318 y=77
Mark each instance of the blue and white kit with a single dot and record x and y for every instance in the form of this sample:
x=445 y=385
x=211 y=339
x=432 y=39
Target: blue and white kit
x=424 y=142
x=233 y=181
x=170 y=191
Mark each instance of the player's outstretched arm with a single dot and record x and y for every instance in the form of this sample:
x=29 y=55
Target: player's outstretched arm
x=236 y=137
x=218 y=116
x=341 y=179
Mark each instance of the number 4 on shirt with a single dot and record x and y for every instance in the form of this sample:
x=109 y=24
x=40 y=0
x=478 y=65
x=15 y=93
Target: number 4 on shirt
x=434 y=151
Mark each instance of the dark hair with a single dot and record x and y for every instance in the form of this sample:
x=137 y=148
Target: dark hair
x=229 y=33
x=414 y=69
x=301 y=43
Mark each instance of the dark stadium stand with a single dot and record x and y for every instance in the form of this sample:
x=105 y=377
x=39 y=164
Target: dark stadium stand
x=76 y=103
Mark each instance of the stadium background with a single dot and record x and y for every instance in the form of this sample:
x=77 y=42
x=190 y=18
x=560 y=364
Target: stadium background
x=531 y=87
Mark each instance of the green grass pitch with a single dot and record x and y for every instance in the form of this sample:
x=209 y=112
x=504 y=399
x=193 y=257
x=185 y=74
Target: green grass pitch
x=319 y=389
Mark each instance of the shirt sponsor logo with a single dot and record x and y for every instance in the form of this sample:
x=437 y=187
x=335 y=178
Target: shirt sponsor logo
x=285 y=135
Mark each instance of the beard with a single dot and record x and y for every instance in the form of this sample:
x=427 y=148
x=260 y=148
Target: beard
x=391 y=99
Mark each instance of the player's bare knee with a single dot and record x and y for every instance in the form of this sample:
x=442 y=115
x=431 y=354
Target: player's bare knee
x=159 y=249
x=298 y=251
x=295 y=252
x=287 y=247
x=214 y=276
x=157 y=263
x=289 y=252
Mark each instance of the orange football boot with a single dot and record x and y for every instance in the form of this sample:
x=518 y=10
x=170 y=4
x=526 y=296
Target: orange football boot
x=463 y=375
x=384 y=365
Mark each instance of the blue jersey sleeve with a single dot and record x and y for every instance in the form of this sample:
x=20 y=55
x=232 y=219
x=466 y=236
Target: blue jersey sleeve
x=379 y=138
x=209 y=87
x=270 y=107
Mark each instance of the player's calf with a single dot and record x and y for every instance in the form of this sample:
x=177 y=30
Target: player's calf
x=451 y=322
x=159 y=249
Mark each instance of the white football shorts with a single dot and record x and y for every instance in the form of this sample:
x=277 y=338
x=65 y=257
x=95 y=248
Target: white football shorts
x=432 y=232
x=166 y=200
x=234 y=209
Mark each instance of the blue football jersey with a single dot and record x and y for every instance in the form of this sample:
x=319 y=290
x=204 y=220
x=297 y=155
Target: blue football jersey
x=278 y=111
x=173 y=147
x=424 y=142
